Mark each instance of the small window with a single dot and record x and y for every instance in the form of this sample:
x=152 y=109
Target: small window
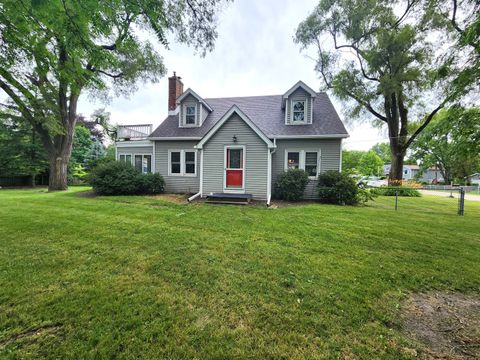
x=147 y=163
x=311 y=161
x=126 y=158
x=190 y=111
x=293 y=161
x=138 y=163
x=143 y=163
x=298 y=111
x=175 y=163
x=189 y=162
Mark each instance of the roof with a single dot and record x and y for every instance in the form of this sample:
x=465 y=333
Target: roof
x=235 y=110
x=266 y=113
x=195 y=95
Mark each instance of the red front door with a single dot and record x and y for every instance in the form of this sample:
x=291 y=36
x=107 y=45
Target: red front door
x=234 y=168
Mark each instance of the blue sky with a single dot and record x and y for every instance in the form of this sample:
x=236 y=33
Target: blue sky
x=254 y=55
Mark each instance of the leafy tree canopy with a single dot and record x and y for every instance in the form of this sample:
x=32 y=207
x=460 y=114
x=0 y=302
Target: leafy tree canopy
x=371 y=164
x=394 y=62
x=51 y=51
x=452 y=143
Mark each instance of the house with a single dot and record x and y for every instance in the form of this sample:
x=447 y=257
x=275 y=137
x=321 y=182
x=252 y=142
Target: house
x=236 y=145
x=474 y=179
x=413 y=172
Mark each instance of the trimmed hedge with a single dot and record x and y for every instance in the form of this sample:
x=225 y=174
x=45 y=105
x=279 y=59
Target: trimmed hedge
x=291 y=185
x=120 y=178
x=337 y=188
x=402 y=191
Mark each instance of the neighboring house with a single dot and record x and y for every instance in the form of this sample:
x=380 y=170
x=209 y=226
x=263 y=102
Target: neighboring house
x=413 y=172
x=474 y=179
x=237 y=144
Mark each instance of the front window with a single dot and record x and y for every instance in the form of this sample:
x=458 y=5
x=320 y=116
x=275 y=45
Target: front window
x=175 y=163
x=305 y=160
x=298 y=110
x=182 y=163
x=311 y=162
x=126 y=158
x=293 y=161
x=190 y=111
x=189 y=162
x=143 y=163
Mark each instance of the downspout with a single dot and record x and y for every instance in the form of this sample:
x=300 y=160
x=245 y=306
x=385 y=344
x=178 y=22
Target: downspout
x=200 y=192
x=269 y=183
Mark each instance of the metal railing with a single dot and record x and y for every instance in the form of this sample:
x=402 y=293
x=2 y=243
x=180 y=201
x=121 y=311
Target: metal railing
x=127 y=132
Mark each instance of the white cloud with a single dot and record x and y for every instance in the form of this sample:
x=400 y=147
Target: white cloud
x=254 y=55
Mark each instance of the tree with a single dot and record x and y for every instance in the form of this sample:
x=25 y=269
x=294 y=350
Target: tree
x=350 y=160
x=383 y=151
x=383 y=61
x=22 y=154
x=452 y=143
x=52 y=51
x=82 y=144
x=370 y=164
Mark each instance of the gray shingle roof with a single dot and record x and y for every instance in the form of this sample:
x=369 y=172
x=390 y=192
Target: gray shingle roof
x=266 y=112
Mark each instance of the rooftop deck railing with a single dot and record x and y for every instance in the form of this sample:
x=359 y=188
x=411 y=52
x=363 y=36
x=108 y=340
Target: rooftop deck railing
x=136 y=132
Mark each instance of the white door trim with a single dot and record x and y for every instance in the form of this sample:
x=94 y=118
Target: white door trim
x=244 y=153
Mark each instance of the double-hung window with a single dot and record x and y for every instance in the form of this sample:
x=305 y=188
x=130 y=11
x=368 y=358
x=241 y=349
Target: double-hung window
x=143 y=163
x=182 y=163
x=311 y=163
x=127 y=158
x=298 y=111
x=293 y=160
x=305 y=160
x=190 y=114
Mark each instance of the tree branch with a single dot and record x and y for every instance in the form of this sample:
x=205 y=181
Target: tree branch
x=425 y=123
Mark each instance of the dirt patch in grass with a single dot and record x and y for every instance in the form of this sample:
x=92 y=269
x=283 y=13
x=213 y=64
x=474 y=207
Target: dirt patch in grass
x=31 y=335
x=448 y=324
x=175 y=198
x=86 y=194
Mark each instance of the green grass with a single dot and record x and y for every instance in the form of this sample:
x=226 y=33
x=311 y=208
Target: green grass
x=137 y=277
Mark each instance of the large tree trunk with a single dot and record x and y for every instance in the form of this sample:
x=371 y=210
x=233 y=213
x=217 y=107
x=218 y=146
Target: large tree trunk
x=396 y=169
x=57 y=180
x=61 y=149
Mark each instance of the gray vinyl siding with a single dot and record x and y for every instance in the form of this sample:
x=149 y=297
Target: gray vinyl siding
x=190 y=100
x=176 y=184
x=329 y=158
x=256 y=158
x=299 y=94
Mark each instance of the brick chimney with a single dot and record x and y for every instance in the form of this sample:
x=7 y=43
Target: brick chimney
x=175 y=89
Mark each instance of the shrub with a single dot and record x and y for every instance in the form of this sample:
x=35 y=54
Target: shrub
x=152 y=183
x=119 y=178
x=291 y=185
x=390 y=191
x=338 y=188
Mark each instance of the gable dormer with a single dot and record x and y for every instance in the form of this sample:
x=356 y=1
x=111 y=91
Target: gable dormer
x=192 y=109
x=298 y=104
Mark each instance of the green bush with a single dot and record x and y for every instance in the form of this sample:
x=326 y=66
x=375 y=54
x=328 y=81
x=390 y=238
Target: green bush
x=119 y=178
x=390 y=191
x=152 y=183
x=337 y=188
x=291 y=185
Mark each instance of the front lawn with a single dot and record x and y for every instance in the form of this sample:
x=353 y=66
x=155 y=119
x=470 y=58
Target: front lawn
x=139 y=277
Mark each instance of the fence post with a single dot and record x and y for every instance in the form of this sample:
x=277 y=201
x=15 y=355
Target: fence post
x=461 y=202
x=396 y=200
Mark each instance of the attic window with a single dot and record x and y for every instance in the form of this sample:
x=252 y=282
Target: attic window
x=298 y=110
x=190 y=114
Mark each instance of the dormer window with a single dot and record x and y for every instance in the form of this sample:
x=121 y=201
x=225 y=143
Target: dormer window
x=190 y=114
x=298 y=109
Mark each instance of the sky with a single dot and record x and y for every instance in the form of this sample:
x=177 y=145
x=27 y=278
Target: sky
x=254 y=55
